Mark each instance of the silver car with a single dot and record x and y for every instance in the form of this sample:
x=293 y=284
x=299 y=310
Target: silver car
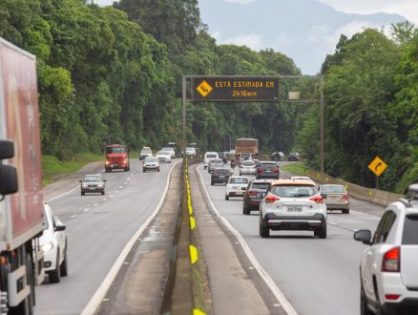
x=151 y=164
x=214 y=163
x=247 y=168
x=336 y=197
x=236 y=186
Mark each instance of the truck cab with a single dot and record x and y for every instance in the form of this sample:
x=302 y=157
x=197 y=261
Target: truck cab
x=117 y=157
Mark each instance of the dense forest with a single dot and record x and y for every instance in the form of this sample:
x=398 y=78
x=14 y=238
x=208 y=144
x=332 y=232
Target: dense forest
x=113 y=74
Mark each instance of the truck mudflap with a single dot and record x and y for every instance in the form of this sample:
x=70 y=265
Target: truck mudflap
x=39 y=267
x=16 y=294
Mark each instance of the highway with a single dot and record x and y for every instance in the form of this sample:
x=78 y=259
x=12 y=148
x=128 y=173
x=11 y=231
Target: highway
x=317 y=276
x=98 y=228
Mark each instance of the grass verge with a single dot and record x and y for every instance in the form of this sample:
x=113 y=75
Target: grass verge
x=298 y=168
x=52 y=168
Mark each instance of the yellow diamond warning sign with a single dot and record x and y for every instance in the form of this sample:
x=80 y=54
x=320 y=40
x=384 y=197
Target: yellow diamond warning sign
x=378 y=166
x=204 y=88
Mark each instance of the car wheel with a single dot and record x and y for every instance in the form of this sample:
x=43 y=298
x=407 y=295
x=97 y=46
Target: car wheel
x=246 y=210
x=64 y=264
x=226 y=197
x=143 y=170
x=346 y=211
x=55 y=275
x=364 y=308
x=103 y=192
x=264 y=230
x=321 y=232
x=212 y=183
x=83 y=193
x=158 y=169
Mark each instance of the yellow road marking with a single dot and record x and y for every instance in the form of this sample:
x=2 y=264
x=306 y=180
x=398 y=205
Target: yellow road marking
x=192 y=223
x=197 y=311
x=194 y=255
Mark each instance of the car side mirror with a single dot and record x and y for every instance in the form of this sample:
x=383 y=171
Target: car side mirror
x=8 y=180
x=363 y=236
x=6 y=149
x=59 y=228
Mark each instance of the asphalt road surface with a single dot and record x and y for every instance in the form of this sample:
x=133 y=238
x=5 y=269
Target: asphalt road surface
x=317 y=276
x=98 y=228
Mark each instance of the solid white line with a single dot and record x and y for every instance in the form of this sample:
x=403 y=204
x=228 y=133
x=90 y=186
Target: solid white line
x=98 y=296
x=263 y=274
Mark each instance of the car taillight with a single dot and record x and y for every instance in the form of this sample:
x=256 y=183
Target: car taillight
x=392 y=297
x=275 y=170
x=345 y=197
x=259 y=169
x=107 y=162
x=271 y=198
x=392 y=260
x=317 y=199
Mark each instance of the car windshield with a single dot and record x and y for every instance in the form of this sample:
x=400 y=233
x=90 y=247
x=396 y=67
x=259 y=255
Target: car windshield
x=293 y=191
x=239 y=180
x=92 y=178
x=115 y=149
x=215 y=161
x=211 y=156
x=220 y=171
x=260 y=186
x=145 y=151
x=248 y=163
x=267 y=165
x=333 y=189
x=151 y=159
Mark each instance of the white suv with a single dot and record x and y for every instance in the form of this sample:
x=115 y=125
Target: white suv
x=389 y=266
x=209 y=156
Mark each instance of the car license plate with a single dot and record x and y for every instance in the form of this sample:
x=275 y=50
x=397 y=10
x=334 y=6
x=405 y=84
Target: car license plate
x=221 y=176
x=268 y=171
x=294 y=209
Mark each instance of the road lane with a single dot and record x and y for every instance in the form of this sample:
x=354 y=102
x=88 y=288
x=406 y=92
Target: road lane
x=317 y=276
x=98 y=227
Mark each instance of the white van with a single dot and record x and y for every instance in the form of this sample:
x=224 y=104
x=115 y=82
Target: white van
x=209 y=156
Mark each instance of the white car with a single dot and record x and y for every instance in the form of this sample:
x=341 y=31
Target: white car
x=236 y=186
x=389 y=265
x=151 y=164
x=247 y=168
x=164 y=156
x=145 y=152
x=209 y=156
x=53 y=242
x=301 y=178
x=171 y=150
x=293 y=205
x=190 y=151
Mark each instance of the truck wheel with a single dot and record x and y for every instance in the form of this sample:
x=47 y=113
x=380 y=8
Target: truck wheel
x=64 y=264
x=83 y=193
x=346 y=211
x=226 y=197
x=143 y=170
x=103 y=192
x=55 y=276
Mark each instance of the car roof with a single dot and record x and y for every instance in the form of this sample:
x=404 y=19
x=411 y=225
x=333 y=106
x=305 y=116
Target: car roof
x=273 y=162
x=289 y=182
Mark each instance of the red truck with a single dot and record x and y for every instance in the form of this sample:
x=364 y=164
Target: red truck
x=117 y=157
x=21 y=200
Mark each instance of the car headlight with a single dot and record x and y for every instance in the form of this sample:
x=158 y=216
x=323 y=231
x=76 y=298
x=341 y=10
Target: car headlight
x=47 y=247
x=100 y=185
x=84 y=185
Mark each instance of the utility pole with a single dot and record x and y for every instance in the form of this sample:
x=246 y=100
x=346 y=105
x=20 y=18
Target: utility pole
x=184 y=100
x=322 y=135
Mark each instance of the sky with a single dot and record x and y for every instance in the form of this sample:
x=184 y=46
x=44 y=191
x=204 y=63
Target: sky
x=321 y=38
x=406 y=8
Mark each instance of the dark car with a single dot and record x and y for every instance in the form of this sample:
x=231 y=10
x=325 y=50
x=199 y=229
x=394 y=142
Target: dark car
x=268 y=169
x=255 y=192
x=220 y=176
x=293 y=156
x=93 y=183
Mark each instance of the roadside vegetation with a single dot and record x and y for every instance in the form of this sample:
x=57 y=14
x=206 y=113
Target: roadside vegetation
x=113 y=75
x=298 y=168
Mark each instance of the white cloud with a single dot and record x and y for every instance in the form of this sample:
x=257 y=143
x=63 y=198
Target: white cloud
x=252 y=41
x=406 y=8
